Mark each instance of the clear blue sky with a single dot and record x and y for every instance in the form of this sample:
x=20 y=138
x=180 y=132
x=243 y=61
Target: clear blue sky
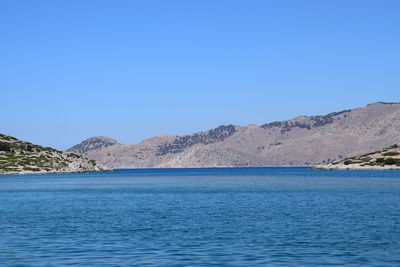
x=134 y=69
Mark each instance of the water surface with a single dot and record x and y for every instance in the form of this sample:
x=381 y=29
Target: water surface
x=186 y=217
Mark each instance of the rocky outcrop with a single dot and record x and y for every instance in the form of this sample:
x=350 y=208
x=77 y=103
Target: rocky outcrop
x=18 y=157
x=302 y=141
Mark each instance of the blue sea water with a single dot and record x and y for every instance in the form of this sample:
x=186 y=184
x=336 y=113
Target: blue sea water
x=201 y=217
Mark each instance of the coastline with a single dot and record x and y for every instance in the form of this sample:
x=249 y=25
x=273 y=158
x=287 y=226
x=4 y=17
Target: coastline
x=316 y=167
x=155 y=168
x=59 y=172
x=342 y=167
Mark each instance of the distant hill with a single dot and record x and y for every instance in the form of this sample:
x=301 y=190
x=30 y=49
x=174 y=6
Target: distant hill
x=388 y=158
x=302 y=141
x=92 y=143
x=18 y=157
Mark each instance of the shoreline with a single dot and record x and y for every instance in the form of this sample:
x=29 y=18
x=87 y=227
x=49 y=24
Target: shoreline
x=315 y=168
x=355 y=168
x=60 y=172
x=155 y=168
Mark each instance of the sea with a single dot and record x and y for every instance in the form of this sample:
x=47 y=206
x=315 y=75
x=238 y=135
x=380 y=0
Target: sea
x=201 y=217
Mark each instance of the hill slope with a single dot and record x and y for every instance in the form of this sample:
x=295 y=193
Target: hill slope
x=302 y=141
x=18 y=157
x=92 y=143
x=388 y=158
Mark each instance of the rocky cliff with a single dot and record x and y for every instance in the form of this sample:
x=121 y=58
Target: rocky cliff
x=18 y=157
x=302 y=141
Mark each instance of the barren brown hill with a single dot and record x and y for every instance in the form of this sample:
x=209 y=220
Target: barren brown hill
x=303 y=141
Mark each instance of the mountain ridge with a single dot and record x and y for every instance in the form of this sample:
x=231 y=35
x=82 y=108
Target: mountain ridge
x=92 y=143
x=301 y=141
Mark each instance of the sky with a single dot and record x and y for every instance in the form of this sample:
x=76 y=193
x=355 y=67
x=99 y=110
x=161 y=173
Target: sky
x=131 y=70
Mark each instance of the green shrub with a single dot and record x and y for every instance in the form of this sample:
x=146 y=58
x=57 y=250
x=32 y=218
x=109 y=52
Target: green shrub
x=347 y=162
x=392 y=161
x=31 y=169
x=380 y=160
x=5 y=146
x=391 y=153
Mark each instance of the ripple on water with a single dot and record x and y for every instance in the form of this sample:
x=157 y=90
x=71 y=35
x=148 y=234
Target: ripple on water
x=260 y=216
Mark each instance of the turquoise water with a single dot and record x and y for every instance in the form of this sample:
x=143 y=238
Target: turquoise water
x=202 y=217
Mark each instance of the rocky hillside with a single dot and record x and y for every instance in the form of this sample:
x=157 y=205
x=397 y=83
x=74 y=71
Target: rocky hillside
x=388 y=158
x=18 y=157
x=302 y=141
x=183 y=142
x=92 y=143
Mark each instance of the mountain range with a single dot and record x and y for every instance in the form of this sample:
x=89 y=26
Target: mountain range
x=302 y=141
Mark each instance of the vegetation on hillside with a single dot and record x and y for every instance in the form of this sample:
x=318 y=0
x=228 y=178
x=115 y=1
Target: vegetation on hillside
x=314 y=121
x=18 y=156
x=212 y=136
x=387 y=157
x=92 y=143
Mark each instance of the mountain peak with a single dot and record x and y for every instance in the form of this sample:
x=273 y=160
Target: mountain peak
x=92 y=143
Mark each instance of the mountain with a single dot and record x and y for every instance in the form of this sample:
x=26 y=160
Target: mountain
x=302 y=141
x=92 y=143
x=386 y=159
x=18 y=157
